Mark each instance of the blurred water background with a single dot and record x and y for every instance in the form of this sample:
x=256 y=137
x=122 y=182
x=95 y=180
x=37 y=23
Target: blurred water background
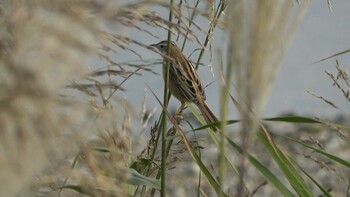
x=323 y=32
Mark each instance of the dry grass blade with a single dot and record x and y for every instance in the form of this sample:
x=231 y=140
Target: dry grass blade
x=97 y=85
x=334 y=55
x=324 y=99
x=113 y=72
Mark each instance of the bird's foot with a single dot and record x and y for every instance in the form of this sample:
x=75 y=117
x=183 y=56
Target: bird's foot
x=178 y=118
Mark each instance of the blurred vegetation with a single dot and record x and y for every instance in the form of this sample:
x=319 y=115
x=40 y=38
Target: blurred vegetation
x=67 y=131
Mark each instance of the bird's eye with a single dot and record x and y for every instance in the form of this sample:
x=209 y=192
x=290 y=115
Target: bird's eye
x=161 y=46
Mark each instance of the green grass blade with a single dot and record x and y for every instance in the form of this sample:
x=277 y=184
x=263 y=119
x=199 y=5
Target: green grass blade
x=138 y=179
x=325 y=191
x=212 y=134
x=205 y=170
x=265 y=171
x=287 y=167
x=301 y=119
x=330 y=156
x=293 y=119
x=214 y=124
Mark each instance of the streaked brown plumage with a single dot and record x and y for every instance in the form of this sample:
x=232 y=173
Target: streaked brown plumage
x=184 y=82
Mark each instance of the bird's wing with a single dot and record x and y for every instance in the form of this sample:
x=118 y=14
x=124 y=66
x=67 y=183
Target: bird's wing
x=186 y=80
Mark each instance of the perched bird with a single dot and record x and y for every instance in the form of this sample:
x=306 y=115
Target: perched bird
x=184 y=82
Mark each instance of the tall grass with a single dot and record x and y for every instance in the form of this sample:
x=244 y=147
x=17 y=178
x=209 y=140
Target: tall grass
x=54 y=107
x=67 y=131
x=259 y=35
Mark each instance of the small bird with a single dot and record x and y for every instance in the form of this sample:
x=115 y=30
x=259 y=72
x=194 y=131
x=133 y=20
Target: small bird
x=184 y=82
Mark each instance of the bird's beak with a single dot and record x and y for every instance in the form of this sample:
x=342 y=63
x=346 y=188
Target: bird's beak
x=153 y=47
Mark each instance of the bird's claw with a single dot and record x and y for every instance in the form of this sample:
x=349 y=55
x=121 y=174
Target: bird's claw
x=178 y=118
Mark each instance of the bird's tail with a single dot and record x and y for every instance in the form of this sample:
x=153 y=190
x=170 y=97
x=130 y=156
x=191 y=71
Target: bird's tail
x=208 y=115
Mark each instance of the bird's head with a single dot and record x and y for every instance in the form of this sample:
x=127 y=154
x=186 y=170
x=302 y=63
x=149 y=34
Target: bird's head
x=163 y=46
